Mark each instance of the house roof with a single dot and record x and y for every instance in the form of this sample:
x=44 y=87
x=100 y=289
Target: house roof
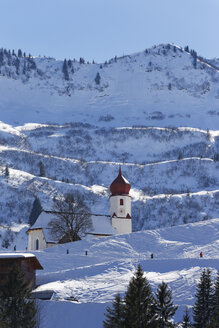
x=102 y=225
x=31 y=258
x=42 y=221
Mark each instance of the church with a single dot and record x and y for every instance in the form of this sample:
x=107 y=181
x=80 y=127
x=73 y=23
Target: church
x=118 y=222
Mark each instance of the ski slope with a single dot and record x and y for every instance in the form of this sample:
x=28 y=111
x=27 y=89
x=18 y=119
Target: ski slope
x=95 y=279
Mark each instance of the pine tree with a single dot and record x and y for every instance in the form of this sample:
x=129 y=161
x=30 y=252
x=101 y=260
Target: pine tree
x=139 y=302
x=65 y=70
x=6 y=171
x=203 y=308
x=35 y=211
x=164 y=307
x=17 y=65
x=15 y=309
x=97 y=78
x=186 y=319
x=69 y=63
x=42 y=169
x=215 y=315
x=19 y=53
x=115 y=316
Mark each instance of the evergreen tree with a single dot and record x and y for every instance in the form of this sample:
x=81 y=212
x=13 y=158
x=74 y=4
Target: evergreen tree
x=35 y=211
x=203 y=308
x=81 y=60
x=42 y=169
x=97 y=78
x=15 y=309
x=69 y=63
x=186 y=319
x=17 y=65
x=65 y=70
x=139 y=311
x=19 y=53
x=215 y=316
x=6 y=171
x=164 y=307
x=115 y=316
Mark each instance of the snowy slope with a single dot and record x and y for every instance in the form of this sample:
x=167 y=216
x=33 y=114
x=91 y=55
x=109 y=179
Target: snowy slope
x=161 y=86
x=173 y=172
x=95 y=279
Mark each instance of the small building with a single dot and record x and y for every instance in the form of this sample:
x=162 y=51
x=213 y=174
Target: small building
x=118 y=222
x=39 y=236
x=26 y=261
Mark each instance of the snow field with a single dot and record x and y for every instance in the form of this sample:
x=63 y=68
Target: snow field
x=95 y=279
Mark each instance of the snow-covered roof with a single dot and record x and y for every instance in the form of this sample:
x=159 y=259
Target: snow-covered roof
x=42 y=221
x=102 y=225
x=16 y=255
x=31 y=258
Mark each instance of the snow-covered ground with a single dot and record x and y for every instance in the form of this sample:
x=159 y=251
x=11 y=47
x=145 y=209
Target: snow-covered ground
x=95 y=279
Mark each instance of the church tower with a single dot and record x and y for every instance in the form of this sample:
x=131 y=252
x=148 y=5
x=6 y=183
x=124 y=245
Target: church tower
x=120 y=204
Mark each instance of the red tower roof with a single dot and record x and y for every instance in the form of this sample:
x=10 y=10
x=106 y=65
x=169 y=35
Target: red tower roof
x=120 y=185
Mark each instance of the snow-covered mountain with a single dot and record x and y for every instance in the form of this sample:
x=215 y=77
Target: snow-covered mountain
x=155 y=112
x=162 y=86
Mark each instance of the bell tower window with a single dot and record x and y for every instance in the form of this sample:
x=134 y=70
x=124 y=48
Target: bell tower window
x=121 y=202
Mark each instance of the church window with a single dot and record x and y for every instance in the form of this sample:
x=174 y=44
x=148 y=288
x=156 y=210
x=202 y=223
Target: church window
x=121 y=202
x=37 y=244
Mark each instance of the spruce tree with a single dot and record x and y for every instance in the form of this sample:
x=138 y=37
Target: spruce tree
x=115 y=316
x=97 y=78
x=42 y=169
x=6 y=171
x=164 y=307
x=35 y=211
x=16 y=311
x=19 y=53
x=215 y=315
x=203 y=308
x=186 y=319
x=139 y=311
x=65 y=70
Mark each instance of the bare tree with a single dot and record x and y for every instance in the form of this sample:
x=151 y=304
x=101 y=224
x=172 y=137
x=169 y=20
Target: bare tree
x=72 y=218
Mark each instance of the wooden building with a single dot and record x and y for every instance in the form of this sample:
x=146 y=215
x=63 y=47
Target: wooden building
x=26 y=261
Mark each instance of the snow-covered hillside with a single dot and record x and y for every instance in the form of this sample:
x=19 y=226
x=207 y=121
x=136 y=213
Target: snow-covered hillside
x=173 y=172
x=133 y=116
x=95 y=279
x=161 y=86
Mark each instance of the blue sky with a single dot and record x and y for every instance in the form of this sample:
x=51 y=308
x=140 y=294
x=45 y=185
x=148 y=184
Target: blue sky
x=101 y=29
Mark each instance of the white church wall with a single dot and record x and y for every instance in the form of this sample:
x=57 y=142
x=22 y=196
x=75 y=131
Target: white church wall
x=33 y=236
x=122 y=225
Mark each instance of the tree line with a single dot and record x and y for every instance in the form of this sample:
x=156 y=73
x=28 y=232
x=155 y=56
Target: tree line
x=140 y=308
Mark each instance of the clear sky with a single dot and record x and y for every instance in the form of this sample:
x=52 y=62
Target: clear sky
x=101 y=29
